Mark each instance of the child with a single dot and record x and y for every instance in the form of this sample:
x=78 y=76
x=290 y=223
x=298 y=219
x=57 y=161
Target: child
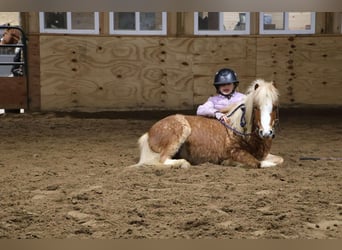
x=225 y=83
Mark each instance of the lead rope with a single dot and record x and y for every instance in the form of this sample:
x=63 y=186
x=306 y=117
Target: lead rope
x=242 y=120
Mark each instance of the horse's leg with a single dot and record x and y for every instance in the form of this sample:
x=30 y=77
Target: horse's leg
x=177 y=163
x=271 y=161
x=275 y=158
x=244 y=157
x=173 y=142
x=231 y=163
x=160 y=144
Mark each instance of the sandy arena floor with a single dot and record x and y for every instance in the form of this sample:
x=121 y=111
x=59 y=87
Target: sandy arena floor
x=64 y=176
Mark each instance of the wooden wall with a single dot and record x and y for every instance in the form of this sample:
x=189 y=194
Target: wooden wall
x=308 y=69
x=87 y=73
x=115 y=73
x=34 y=72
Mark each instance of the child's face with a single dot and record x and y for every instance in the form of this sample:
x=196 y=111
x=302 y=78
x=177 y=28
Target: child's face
x=226 y=89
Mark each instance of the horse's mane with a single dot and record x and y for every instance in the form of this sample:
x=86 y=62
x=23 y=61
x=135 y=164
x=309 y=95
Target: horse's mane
x=258 y=93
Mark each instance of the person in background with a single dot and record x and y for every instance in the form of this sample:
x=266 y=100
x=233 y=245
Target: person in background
x=10 y=36
x=17 y=70
x=225 y=82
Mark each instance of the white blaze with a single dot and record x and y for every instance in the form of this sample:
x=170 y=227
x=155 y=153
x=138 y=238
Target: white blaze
x=265 y=117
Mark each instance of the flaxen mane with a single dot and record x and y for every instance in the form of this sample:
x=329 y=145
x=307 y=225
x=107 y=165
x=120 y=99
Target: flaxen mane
x=257 y=94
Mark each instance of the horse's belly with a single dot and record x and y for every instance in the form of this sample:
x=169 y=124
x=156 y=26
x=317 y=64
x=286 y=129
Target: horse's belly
x=214 y=150
x=196 y=156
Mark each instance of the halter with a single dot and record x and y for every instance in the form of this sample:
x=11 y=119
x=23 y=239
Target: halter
x=277 y=120
x=242 y=121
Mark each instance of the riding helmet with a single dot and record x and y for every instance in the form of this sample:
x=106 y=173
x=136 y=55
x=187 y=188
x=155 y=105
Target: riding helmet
x=224 y=76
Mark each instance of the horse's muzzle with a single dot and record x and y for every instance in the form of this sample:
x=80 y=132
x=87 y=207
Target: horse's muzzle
x=266 y=134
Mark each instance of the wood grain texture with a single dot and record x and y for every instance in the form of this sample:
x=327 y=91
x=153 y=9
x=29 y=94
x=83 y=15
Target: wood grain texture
x=33 y=58
x=114 y=73
x=95 y=73
x=307 y=69
x=213 y=53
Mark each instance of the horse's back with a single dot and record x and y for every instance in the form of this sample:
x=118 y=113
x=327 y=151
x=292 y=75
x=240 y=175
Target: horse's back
x=167 y=126
x=199 y=125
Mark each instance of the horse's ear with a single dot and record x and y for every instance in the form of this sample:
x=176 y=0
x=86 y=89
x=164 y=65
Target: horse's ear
x=256 y=86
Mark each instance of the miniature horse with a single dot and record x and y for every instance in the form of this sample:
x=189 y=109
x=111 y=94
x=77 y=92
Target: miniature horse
x=181 y=140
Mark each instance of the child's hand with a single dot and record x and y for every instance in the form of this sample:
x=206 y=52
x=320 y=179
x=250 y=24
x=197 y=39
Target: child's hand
x=221 y=117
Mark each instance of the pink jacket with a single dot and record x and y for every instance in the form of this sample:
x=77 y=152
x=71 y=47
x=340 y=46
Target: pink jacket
x=217 y=102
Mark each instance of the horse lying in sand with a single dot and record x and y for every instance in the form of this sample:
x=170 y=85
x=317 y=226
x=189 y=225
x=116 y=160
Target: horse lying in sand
x=184 y=140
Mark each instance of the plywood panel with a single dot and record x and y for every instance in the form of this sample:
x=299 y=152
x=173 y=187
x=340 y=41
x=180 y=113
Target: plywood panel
x=115 y=73
x=213 y=53
x=33 y=59
x=307 y=69
x=274 y=62
x=94 y=73
x=318 y=68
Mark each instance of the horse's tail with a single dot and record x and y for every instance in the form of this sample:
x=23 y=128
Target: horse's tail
x=147 y=156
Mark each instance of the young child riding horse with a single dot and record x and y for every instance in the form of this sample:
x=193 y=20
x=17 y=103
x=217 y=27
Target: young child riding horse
x=225 y=82
x=184 y=140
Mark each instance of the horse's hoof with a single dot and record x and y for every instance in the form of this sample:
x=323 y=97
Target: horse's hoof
x=185 y=165
x=267 y=164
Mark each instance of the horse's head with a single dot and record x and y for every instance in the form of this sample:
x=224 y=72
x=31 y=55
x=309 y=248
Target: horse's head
x=264 y=100
x=264 y=119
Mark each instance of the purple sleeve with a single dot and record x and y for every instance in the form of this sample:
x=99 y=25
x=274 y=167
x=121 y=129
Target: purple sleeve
x=241 y=97
x=207 y=108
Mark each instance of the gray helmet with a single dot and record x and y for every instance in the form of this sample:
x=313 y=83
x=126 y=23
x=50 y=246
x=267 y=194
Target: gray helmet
x=224 y=76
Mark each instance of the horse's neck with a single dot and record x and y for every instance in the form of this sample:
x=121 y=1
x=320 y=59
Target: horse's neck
x=249 y=113
x=238 y=112
x=237 y=116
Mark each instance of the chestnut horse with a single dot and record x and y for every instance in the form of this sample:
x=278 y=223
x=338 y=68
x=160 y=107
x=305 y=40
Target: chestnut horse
x=180 y=140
